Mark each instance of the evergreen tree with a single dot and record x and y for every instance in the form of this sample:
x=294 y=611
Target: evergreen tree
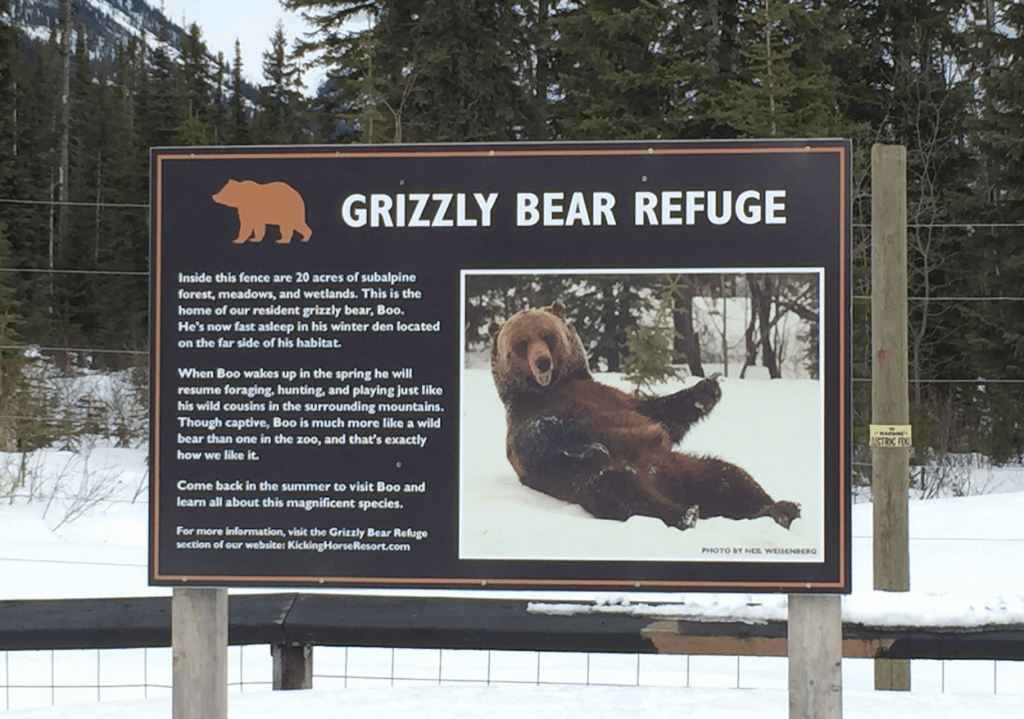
x=682 y=289
x=1000 y=130
x=15 y=409
x=238 y=116
x=164 y=103
x=440 y=71
x=927 y=110
x=782 y=83
x=77 y=293
x=531 y=57
x=218 y=113
x=194 y=127
x=612 y=76
x=9 y=98
x=604 y=312
x=362 y=90
x=703 y=44
x=651 y=342
x=122 y=307
x=17 y=406
x=280 y=117
x=34 y=231
x=10 y=359
x=993 y=336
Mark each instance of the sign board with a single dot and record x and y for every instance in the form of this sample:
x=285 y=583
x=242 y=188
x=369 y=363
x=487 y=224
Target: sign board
x=890 y=435
x=324 y=413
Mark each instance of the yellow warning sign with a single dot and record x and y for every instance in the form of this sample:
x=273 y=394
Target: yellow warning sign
x=890 y=435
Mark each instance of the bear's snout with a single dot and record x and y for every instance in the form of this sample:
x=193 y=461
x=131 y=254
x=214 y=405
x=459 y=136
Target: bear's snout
x=541 y=364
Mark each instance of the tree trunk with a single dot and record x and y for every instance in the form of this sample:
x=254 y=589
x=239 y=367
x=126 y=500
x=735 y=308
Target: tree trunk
x=768 y=56
x=541 y=71
x=748 y=335
x=686 y=343
x=50 y=245
x=761 y=295
x=99 y=198
x=715 y=36
x=764 y=313
x=725 y=328
x=65 y=120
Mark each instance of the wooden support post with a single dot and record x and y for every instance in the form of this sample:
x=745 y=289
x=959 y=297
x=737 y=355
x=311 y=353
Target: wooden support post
x=815 y=646
x=199 y=647
x=293 y=666
x=889 y=384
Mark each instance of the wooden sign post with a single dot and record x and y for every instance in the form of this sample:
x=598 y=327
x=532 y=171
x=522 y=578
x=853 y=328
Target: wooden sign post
x=889 y=402
x=814 y=643
x=199 y=646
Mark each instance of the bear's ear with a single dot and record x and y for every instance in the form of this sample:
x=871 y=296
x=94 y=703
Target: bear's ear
x=558 y=309
x=493 y=329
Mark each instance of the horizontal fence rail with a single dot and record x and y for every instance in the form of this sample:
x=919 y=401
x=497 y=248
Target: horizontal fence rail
x=305 y=620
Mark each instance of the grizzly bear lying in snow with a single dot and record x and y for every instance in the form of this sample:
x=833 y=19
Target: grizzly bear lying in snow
x=608 y=451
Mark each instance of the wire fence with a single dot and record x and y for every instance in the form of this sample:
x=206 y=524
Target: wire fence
x=59 y=677
x=860 y=298
x=62 y=677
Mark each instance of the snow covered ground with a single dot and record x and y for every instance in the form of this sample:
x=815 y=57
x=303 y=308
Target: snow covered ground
x=770 y=429
x=967 y=555
x=548 y=702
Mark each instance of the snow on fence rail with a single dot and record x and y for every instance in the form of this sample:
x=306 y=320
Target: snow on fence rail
x=876 y=624
x=369 y=640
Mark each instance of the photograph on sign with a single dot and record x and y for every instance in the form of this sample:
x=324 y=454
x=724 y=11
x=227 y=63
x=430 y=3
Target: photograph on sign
x=607 y=365
x=649 y=461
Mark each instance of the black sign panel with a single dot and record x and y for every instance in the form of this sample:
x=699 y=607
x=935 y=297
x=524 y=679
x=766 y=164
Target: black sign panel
x=325 y=410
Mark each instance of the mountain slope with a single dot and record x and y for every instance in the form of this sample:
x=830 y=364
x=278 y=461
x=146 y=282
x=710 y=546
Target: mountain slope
x=106 y=23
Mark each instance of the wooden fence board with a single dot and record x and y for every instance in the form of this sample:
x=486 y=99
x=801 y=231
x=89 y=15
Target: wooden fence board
x=441 y=623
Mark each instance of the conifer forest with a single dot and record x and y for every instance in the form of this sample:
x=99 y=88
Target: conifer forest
x=942 y=77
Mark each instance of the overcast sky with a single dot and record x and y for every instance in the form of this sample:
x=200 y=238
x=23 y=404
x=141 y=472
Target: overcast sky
x=250 y=21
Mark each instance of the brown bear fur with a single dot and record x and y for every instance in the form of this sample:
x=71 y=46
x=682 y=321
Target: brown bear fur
x=611 y=452
x=259 y=205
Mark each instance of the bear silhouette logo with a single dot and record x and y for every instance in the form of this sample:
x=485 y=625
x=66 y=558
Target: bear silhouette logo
x=262 y=204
